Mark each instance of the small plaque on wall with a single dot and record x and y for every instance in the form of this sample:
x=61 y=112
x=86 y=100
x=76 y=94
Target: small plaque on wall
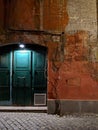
x=56 y=38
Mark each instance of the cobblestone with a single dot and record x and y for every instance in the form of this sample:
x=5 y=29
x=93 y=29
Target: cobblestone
x=44 y=121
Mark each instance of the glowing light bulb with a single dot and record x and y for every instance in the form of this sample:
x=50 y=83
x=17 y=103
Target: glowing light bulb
x=21 y=45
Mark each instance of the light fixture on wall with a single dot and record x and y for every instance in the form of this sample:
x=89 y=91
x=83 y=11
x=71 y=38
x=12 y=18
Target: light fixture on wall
x=21 y=45
x=22 y=48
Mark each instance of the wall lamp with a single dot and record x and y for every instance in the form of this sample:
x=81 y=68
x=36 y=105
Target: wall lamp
x=22 y=46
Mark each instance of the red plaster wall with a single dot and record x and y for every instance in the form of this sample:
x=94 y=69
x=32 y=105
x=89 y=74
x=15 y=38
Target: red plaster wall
x=55 y=17
x=22 y=14
x=25 y=14
x=1 y=14
x=76 y=77
x=71 y=74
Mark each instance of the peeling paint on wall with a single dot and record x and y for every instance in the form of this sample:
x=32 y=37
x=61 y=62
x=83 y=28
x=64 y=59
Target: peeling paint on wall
x=77 y=76
x=68 y=29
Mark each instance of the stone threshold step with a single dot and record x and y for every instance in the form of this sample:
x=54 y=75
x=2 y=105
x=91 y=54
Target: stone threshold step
x=22 y=109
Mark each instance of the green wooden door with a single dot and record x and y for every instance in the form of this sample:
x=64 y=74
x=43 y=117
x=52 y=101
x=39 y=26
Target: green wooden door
x=29 y=76
x=5 y=77
x=22 y=78
x=39 y=83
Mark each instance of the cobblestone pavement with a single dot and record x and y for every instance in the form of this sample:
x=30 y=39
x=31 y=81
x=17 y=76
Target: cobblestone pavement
x=43 y=121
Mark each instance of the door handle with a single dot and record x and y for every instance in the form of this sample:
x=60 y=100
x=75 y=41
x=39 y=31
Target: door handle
x=21 y=77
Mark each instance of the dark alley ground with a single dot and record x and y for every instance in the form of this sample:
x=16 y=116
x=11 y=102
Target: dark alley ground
x=43 y=121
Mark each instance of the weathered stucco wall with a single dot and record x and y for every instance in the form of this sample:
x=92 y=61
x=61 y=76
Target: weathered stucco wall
x=23 y=14
x=77 y=76
x=55 y=17
x=82 y=16
x=1 y=15
x=49 y=15
x=68 y=28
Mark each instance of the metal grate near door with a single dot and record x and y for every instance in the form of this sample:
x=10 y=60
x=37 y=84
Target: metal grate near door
x=39 y=99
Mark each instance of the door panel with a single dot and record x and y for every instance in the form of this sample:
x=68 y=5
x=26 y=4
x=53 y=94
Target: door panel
x=39 y=72
x=5 y=77
x=22 y=60
x=5 y=61
x=22 y=78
